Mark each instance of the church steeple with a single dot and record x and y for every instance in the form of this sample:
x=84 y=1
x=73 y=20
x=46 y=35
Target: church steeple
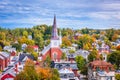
x=54 y=29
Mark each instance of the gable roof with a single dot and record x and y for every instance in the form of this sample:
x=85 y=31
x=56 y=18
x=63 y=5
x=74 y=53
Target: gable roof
x=24 y=55
x=1 y=57
x=100 y=63
x=5 y=54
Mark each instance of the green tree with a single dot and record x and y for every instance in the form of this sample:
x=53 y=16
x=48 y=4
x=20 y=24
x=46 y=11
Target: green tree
x=114 y=58
x=55 y=75
x=35 y=55
x=117 y=76
x=17 y=46
x=85 y=31
x=2 y=36
x=47 y=61
x=80 y=62
x=0 y=48
x=71 y=51
x=29 y=49
x=109 y=33
x=92 y=56
x=39 y=41
x=63 y=56
x=84 y=70
x=29 y=42
x=25 y=33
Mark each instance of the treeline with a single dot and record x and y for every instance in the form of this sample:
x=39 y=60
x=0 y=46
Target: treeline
x=40 y=35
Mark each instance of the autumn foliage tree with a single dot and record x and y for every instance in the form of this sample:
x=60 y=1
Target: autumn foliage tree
x=32 y=72
x=66 y=42
x=118 y=47
x=86 y=41
x=28 y=73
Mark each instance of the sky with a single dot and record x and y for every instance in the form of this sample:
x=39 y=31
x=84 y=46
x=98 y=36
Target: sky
x=75 y=14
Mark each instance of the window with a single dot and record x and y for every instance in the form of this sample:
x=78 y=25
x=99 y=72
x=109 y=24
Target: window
x=109 y=78
x=65 y=76
x=55 y=55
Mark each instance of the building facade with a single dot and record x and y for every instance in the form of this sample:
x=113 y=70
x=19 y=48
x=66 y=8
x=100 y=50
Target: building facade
x=100 y=70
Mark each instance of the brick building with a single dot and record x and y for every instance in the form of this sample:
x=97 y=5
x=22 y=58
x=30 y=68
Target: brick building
x=4 y=60
x=100 y=70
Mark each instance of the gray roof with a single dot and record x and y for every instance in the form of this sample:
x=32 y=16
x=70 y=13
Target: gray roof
x=23 y=55
x=5 y=54
x=73 y=66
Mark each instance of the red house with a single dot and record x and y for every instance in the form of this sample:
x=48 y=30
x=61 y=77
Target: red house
x=6 y=57
x=2 y=63
x=53 y=49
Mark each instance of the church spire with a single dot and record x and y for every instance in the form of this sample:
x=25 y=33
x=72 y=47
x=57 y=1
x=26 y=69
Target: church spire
x=54 y=29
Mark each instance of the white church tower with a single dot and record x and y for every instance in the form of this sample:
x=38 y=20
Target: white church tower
x=56 y=40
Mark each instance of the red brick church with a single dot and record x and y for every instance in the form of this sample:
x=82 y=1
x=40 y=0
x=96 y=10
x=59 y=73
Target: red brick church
x=53 y=49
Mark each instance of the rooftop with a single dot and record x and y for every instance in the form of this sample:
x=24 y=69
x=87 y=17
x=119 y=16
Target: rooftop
x=100 y=63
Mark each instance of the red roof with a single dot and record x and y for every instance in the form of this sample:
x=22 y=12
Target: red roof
x=100 y=63
x=35 y=46
x=6 y=76
x=13 y=53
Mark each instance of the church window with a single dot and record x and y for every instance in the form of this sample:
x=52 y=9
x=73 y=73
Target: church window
x=55 y=55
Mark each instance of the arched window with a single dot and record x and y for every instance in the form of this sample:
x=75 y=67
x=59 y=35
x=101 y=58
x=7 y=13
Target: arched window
x=55 y=56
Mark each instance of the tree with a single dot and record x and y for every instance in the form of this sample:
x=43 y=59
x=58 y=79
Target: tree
x=84 y=70
x=35 y=55
x=25 y=33
x=29 y=42
x=55 y=75
x=109 y=33
x=114 y=58
x=28 y=73
x=39 y=41
x=114 y=37
x=0 y=48
x=85 y=31
x=43 y=73
x=71 y=51
x=22 y=76
x=17 y=46
x=2 y=36
x=118 y=47
x=32 y=72
x=63 y=56
x=29 y=49
x=66 y=42
x=86 y=41
x=93 y=55
x=2 y=44
x=117 y=76
x=47 y=73
x=80 y=62
x=47 y=61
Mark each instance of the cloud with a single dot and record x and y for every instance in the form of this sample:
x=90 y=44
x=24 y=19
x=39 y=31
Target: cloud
x=69 y=12
x=111 y=6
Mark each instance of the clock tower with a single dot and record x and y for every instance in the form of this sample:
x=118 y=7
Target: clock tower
x=53 y=49
x=55 y=39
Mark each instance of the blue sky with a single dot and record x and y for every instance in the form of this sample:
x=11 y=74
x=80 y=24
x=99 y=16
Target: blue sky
x=77 y=14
